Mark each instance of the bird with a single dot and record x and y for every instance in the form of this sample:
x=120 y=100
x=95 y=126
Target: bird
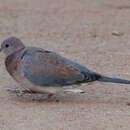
x=42 y=71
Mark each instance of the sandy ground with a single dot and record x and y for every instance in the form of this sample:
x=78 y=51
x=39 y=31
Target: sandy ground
x=81 y=30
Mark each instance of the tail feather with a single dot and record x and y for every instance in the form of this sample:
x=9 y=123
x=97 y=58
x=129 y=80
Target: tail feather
x=113 y=80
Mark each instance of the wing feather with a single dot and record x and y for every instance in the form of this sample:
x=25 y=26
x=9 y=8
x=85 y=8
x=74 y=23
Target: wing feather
x=46 y=68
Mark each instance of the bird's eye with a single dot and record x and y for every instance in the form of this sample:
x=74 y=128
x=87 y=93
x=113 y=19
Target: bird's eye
x=6 y=45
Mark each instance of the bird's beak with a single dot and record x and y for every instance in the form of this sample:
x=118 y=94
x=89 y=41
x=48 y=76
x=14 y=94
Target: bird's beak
x=0 y=49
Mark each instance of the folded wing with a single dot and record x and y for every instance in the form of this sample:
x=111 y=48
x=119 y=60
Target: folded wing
x=45 y=68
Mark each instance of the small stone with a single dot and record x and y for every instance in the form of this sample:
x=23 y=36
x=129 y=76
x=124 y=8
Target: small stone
x=116 y=33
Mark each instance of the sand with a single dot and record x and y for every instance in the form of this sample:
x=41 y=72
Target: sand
x=94 y=33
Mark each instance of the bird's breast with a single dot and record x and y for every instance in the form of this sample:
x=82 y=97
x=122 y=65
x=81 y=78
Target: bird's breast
x=11 y=63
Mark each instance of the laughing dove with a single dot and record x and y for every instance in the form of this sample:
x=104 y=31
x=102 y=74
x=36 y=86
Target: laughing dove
x=44 y=71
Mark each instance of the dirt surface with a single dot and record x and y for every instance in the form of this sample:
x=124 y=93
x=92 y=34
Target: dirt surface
x=94 y=33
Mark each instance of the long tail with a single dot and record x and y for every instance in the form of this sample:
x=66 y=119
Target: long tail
x=113 y=80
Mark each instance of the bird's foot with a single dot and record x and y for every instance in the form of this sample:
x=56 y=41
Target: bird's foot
x=19 y=92
x=48 y=98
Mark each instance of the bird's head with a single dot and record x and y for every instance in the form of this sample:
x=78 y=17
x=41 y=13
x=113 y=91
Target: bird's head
x=11 y=45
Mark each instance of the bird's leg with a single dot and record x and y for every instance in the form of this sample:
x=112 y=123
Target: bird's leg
x=49 y=97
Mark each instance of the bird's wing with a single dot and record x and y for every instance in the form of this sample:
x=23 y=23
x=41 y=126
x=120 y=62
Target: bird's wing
x=47 y=68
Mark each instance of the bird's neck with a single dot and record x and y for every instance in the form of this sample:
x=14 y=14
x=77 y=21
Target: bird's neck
x=13 y=52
